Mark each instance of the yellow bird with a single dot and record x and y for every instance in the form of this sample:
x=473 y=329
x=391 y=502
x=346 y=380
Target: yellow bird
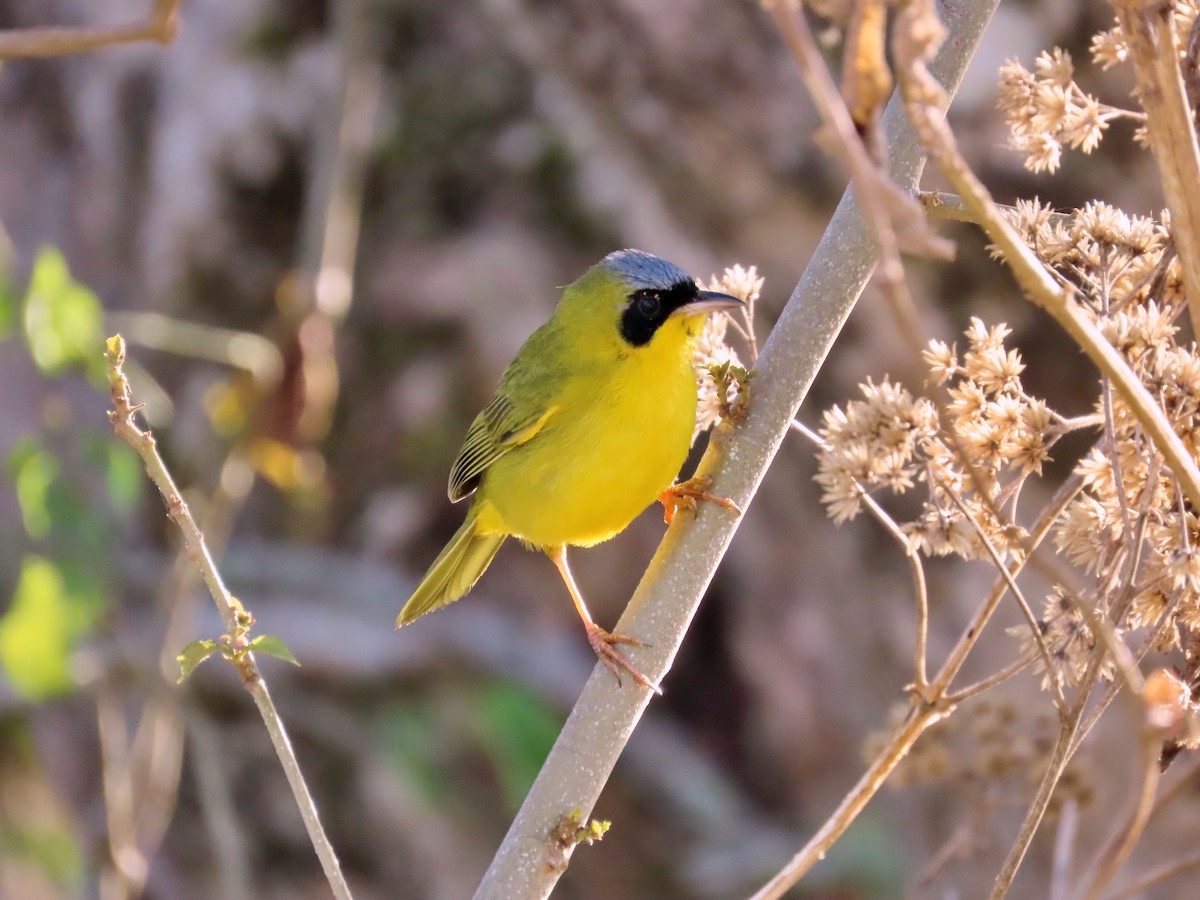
x=589 y=425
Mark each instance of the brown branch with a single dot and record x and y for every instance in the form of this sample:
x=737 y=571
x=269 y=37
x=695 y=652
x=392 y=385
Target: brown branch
x=1155 y=53
x=160 y=25
x=143 y=442
x=1118 y=847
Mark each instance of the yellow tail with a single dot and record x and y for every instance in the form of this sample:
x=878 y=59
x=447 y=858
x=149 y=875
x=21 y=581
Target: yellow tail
x=454 y=572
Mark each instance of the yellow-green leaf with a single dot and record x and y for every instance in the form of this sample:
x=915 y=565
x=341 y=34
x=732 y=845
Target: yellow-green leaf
x=34 y=471
x=62 y=317
x=193 y=654
x=273 y=645
x=37 y=632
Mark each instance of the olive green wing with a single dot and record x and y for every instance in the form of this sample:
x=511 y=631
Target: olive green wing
x=496 y=430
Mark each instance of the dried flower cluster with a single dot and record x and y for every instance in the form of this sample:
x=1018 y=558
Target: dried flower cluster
x=713 y=351
x=1110 y=48
x=1129 y=527
x=889 y=439
x=1045 y=110
x=1129 y=530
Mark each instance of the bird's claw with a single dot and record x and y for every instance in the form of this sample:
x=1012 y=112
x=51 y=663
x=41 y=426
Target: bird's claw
x=614 y=660
x=685 y=494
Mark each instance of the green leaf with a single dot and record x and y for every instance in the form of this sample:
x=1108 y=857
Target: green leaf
x=62 y=318
x=34 y=472
x=517 y=730
x=193 y=654
x=273 y=645
x=124 y=476
x=8 y=308
x=418 y=745
x=38 y=631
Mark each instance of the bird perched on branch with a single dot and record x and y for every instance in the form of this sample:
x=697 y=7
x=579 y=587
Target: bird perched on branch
x=589 y=426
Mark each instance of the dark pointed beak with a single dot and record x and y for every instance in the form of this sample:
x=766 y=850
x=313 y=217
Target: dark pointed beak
x=708 y=302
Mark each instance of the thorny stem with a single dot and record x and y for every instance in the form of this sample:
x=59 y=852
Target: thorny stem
x=122 y=417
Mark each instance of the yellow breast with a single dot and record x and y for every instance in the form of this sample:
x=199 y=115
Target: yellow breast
x=618 y=437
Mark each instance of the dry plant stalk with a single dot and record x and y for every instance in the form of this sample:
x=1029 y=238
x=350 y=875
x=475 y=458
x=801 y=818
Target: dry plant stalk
x=236 y=619
x=1124 y=577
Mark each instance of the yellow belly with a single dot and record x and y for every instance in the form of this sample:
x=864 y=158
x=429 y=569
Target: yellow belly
x=599 y=461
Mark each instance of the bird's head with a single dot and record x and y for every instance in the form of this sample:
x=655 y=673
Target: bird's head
x=646 y=297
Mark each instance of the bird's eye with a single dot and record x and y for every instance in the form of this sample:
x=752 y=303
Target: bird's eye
x=648 y=305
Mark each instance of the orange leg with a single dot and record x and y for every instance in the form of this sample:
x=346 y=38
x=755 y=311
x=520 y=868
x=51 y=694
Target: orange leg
x=601 y=641
x=685 y=494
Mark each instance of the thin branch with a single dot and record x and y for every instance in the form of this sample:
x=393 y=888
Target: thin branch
x=916 y=567
x=885 y=762
x=1118 y=847
x=1158 y=876
x=1059 y=758
x=998 y=677
x=927 y=708
x=1064 y=846
x=966 y=642
x=122 y=417
x=160 y=25
x=1060 y=702
x=893 y=217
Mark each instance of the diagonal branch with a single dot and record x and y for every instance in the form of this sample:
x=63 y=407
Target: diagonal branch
x=1155 y=53
x=662 y=608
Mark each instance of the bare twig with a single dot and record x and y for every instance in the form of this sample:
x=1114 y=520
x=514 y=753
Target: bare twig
x=1064 y=846
x=122 y=417
x=1158 y=875
x=1117 y=848
x=892 y=215
x=919 y=719
x=916 y=567
x=935 y=704
x=1060 y=702
x=987 y=683
x=160 y=25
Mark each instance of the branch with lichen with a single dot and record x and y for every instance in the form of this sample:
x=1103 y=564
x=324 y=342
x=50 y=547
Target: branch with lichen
x=235 y=645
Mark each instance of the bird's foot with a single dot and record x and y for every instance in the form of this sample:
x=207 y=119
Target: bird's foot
x=685 y=494
x=614 y=660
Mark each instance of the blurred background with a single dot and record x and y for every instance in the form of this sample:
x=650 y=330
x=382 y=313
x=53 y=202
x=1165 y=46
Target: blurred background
x=324 y=228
